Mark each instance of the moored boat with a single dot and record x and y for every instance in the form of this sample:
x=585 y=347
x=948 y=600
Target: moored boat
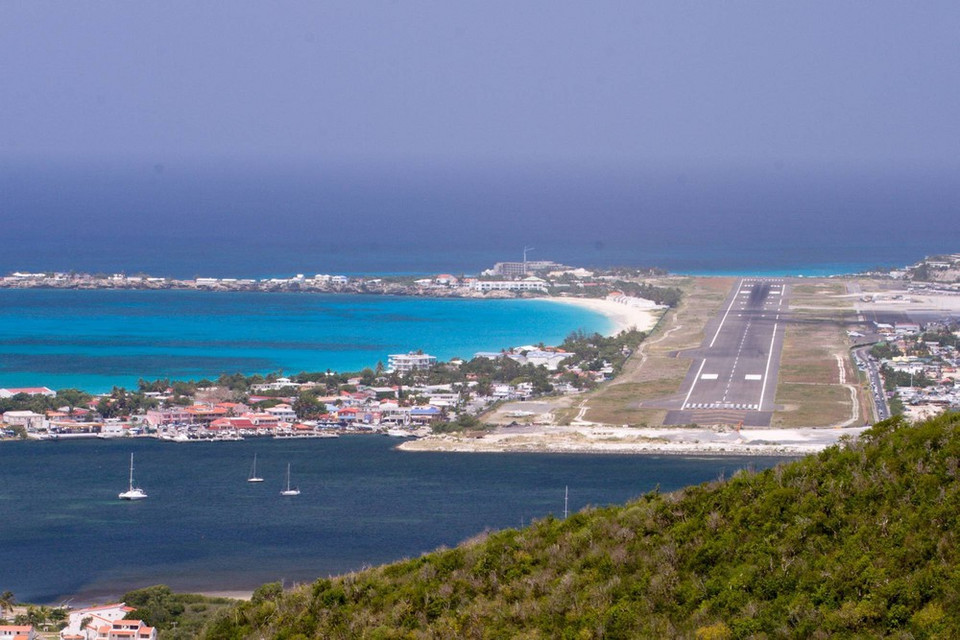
x=133 y=492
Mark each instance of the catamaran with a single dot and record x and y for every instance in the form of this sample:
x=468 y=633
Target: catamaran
x=290 y=491
x=253 y=471
x=133 y=492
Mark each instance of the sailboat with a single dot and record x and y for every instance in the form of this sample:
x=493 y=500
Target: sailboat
x=253 y=471
x=289 y=491
x=132 y=492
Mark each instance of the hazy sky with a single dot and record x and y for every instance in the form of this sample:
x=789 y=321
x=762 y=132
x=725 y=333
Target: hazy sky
x=595 y=82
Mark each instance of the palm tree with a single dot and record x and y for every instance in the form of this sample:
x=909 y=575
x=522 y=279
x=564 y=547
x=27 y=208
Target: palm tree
x=6 y=601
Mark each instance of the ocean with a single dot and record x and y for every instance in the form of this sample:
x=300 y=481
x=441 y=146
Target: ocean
x=216 y=219
x=94 y=340
x=66 y=536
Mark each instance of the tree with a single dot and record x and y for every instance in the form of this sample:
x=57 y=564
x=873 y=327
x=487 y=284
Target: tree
x=7 y=600
x=156 y=605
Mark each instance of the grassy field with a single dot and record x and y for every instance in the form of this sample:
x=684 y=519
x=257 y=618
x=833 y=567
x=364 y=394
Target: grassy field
x=809 y=386
x=811 y=405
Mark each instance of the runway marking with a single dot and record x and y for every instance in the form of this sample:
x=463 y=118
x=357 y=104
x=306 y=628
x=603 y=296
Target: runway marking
x=736 y=360
x=695 y=378
x=753 y=376
x=709 y=376
x=724 y=319
x=766 y=371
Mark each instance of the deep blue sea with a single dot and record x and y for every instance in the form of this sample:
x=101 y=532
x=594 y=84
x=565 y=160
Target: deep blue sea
x=96 y=339
x=184 y=219
x=66 y=535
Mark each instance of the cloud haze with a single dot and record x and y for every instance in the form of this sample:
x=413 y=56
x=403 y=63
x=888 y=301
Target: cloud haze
x=603 y=83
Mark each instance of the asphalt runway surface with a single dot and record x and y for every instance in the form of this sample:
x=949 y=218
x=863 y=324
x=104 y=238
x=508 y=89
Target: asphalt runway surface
x=733 y=377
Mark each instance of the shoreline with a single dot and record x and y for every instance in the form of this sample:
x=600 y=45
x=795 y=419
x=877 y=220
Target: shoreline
x=600 y=439
x=621 y=316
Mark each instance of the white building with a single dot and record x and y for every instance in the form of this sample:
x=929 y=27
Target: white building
x=276 y=385
x=406 y=362
x=27 y=419
x=113 y=429
x=527 y=284
x=549 y=359
x=30 y=391
x=97 y=617
x=522 y=268
x=283 y=412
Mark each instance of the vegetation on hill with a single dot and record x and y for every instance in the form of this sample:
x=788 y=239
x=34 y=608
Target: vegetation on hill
x=858 y=541
x=177 y=616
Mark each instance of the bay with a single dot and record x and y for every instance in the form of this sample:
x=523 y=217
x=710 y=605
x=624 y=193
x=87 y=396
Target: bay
x=95 y=339
x=66 y=536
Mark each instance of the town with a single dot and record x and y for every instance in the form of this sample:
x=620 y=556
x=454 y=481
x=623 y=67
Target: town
x=504 y=279
x=410 y=396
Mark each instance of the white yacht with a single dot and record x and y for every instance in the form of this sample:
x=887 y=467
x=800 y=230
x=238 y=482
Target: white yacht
x=294 y=491
x=133 y=492
x=253 y=471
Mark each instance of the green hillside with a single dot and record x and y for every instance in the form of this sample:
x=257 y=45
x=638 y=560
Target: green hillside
x=858 y=541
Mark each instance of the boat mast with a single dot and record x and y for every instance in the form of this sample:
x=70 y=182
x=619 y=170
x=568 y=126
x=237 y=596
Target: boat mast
x=566 y=501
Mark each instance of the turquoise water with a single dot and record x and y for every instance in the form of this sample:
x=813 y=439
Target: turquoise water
x=66 y=535
x=94 y=340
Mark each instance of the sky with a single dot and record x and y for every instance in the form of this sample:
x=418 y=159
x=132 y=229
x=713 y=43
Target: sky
x=601 y=83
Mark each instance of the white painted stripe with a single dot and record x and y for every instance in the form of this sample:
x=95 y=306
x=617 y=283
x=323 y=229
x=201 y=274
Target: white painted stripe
x=753 y=376
x=766 y=371
x=695 y=378
x=724 y=319
x=709 y=376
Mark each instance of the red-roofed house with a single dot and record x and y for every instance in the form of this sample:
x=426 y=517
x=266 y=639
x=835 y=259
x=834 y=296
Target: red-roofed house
x=126 y=630
x=96 y=619
x=17 y=632
x=203 y=414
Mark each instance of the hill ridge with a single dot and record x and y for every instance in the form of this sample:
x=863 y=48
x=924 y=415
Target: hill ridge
x=856 y=541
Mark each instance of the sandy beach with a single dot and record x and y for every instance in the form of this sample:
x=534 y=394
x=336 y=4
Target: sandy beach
x=233 y=595
x=629 y=440
x=623 y=316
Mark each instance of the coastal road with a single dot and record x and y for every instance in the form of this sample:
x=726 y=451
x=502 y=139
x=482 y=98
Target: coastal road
x=871 y=367
x=733 y=376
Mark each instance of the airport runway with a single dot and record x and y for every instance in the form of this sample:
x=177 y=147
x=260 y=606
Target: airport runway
x=733 y=376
